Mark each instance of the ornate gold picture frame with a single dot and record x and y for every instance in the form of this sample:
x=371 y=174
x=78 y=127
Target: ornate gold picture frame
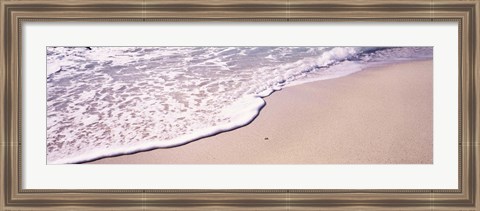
x=13 y=13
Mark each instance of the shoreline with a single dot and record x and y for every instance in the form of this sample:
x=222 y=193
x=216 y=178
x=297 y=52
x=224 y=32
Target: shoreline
x=324 y=126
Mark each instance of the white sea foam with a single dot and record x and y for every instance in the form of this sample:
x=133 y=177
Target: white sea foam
x=107 y=101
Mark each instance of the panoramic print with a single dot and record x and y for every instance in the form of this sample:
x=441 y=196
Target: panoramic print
x=239 y=105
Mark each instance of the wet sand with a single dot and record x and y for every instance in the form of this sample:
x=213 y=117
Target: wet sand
x=381 y=115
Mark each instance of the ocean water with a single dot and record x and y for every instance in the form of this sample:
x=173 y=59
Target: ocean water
x=106 y=101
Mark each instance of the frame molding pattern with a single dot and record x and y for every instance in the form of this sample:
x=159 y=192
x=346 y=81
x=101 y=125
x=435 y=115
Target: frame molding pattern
x=14 y=12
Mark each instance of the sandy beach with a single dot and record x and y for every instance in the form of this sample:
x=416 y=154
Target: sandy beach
x=380 y=115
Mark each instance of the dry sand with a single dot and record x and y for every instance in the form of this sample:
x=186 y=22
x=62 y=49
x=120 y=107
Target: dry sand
x=377 y=116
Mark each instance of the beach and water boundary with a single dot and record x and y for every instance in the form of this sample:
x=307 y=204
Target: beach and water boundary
x=381 y=115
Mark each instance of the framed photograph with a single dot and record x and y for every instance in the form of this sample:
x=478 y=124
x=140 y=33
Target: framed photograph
x=239 y=105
